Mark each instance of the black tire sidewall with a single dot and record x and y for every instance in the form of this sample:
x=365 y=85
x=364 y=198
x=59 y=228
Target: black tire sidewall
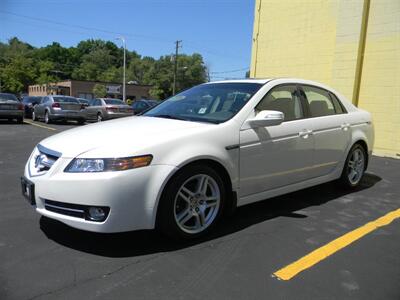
x=165 y=214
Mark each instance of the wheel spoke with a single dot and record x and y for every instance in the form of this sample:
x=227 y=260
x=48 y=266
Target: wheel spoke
x=202 y=185
x=211 y=201
x=202 y=218
x=184 y=197
x=184 y=216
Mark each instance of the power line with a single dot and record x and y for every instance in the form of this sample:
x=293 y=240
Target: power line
x=231 y=71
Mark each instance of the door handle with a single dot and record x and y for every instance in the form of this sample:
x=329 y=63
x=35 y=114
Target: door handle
x=305 y=133
x=345 y=126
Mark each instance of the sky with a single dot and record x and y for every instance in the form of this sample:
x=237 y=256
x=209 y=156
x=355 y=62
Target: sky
x=220 y=30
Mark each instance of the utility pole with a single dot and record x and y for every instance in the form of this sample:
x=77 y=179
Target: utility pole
x=177 y=45
x=124 y=80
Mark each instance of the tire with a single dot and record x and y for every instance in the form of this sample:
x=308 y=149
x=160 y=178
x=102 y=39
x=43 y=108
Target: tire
x=354 y=167
x=20 y=120
x=81 y=122
x=47 y=118
x=99 y=117
x=34 y=118
x=187 y=211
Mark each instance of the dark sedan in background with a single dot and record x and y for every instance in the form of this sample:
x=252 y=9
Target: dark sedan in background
x=143 y=105
x=11 y=108
x=29 y=103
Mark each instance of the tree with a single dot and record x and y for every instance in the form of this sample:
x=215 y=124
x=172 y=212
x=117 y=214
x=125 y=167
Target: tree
x=99 y=90
x=22 y=65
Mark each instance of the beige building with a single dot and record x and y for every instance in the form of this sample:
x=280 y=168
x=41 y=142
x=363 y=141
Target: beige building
x=84 y=89
x=351 y=45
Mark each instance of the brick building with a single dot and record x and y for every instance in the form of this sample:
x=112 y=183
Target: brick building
x=84 y=89
x=351 y=45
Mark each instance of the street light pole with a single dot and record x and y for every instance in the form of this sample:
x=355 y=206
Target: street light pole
x=123 y=83
x=177 y=45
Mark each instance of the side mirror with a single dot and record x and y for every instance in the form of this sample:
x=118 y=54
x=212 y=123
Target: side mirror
x=265 y=118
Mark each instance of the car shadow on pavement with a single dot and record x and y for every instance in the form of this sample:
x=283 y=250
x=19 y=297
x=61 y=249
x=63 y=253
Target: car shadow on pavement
x=136 y=243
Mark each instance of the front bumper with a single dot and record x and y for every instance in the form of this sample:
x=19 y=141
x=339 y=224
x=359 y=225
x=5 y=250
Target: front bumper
x=131 y=195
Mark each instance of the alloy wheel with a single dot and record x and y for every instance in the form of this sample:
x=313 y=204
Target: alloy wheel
x=197 y=203
x=356 y=166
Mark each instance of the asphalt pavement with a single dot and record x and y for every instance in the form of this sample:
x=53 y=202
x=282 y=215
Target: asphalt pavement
x=44 y=259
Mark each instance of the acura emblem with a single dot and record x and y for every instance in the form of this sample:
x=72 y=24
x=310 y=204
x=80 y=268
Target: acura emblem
x=38 y=161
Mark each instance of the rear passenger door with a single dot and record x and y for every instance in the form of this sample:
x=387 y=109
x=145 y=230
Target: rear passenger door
x=329 y=127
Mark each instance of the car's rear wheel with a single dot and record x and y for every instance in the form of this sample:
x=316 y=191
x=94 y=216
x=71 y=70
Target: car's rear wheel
x=34 y=118
x=20 y=120
x=354 y=166
x=192 y=202
x=99 y=117
x=46 y=118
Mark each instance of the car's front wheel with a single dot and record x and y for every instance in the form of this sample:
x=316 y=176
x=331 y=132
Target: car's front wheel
x=34 y=118
x=192 y=202
x=354 y=167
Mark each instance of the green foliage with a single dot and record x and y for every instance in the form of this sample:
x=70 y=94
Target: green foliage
x=22 y=65
x=99 y=90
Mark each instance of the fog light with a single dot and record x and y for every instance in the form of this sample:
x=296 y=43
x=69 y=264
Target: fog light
x=96 y=214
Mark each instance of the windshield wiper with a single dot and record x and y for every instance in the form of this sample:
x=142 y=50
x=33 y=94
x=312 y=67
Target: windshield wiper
x=169 y=117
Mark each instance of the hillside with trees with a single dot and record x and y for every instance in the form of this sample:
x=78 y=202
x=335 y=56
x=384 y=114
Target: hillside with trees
x=22 y=64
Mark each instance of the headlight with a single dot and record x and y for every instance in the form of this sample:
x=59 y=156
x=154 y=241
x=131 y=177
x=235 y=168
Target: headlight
x=90 y=165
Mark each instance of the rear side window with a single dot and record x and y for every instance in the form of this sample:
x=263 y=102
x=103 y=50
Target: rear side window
x=319 y=102
x=336 y=103
x=284 y=99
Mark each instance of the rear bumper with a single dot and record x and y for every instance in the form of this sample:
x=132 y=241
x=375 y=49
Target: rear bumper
x=11 y=114
x=67 y=115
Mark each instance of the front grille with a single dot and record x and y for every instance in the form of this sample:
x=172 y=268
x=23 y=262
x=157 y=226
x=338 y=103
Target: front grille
x=69 y=209
x=42 y=160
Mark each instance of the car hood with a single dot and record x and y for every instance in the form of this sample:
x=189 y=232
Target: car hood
x=120 y=137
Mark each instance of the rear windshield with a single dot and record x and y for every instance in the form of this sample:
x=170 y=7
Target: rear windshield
x=8 y=97
x=114 y=102
x=65 y=100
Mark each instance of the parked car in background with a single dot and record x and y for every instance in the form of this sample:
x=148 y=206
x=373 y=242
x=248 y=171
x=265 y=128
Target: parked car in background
x=29 y=103
x=107 y=108
x=57 y=108
x=84 y=102
x=143 y=105
x=11 y=108
x=188 y=162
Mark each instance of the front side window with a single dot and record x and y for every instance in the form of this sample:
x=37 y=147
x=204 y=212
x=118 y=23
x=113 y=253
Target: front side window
x=319 y=102
x=284 y=99
x=212 y=103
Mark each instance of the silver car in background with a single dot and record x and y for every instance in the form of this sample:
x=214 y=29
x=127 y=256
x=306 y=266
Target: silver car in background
x=11 y=108
x=107 y=108
x=57 y=108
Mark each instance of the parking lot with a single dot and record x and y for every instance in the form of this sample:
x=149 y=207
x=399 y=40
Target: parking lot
x=44 y=259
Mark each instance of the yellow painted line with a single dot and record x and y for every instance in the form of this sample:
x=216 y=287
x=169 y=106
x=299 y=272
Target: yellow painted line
x=39 y=125
x=325 y=251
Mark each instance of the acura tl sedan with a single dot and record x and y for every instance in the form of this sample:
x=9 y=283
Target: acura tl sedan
x=188 y=162
x=107 y=108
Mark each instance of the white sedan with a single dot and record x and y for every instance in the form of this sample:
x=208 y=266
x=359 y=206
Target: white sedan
x=189 y=161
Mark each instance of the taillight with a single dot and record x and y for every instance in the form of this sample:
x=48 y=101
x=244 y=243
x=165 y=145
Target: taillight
x=129 y=109
x=56 y=104
x=20 y=106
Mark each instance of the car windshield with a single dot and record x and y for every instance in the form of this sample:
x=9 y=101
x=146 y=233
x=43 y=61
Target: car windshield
x=65 y=100
x=213 y=102
x=6 y=97
x=114 y=102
